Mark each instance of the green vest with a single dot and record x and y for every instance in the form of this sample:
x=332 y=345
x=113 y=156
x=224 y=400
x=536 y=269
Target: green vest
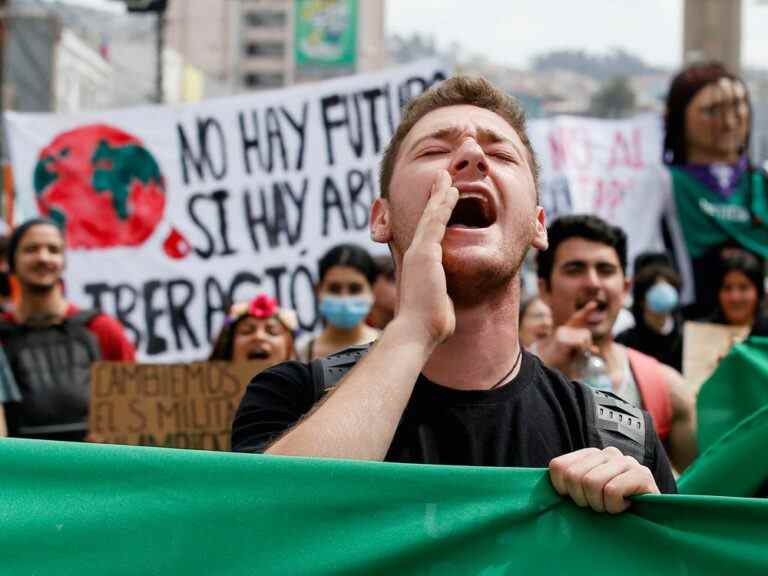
x=707 y=219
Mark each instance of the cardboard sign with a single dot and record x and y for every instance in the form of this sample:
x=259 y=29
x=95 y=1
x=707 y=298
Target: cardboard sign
x=704 y=345
x=169 y=405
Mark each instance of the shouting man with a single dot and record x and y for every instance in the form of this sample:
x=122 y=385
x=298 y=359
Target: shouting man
x=448 y=382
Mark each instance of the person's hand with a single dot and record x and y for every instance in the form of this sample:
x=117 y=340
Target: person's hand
x=601 y=479
x=568 y=343
x=424 y=299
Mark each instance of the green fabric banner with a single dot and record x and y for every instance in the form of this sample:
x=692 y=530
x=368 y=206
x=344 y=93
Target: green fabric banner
x=97 y=509
x=737 y=389
x=708 y=219
x=734 y=465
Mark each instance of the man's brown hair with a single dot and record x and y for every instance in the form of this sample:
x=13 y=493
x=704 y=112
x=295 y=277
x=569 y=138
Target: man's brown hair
x=456 y=91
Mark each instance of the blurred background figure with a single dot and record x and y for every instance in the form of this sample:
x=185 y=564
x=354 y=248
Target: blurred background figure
x=6 y=293
x=384 y=294
x=256 y=330
x=740 y=292
x=658 y=329
x=345 y=296
x=535 y=321
x=718 y=196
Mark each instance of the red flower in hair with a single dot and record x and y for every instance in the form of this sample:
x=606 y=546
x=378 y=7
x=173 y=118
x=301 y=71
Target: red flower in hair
x=262 y=307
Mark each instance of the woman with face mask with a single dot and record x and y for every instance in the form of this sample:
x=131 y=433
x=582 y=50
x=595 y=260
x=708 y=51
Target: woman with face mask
x=345 y=296
x=655 y=306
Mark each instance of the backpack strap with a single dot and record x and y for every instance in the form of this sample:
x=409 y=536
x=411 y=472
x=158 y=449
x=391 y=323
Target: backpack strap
x=612 y=421
x=83 y=317
x=654 y=390
x=329 y=370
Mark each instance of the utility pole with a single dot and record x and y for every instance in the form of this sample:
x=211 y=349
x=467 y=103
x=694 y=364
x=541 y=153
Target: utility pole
x=158 y=8
x=712 y=31
x=160 y=38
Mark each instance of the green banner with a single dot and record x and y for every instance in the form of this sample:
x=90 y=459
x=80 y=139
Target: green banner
x=734 y=465
x=325 y=33
x=737 y=389
x=708 y=219
x=97 y=509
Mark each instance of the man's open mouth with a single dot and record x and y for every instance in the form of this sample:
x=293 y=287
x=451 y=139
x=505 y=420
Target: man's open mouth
x=602 y=304
x=472 y=211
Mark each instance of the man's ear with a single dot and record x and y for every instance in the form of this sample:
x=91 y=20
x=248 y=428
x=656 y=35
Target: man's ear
x=540 y=233
x=381 y=226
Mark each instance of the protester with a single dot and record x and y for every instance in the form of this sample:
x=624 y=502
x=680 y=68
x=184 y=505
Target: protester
x=6 y=292
x=535 y=321
x=345 y=294
x=49 y=342
x=582 y=278
x=9 y=391
x=658 y=329
x=718 y=196
x=384 y=294
x=741 y=291
x=447 y=381
x=256 y=330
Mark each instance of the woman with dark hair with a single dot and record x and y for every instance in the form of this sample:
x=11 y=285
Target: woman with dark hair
x=718 y=196
x=345 y=296
x=256 y=330
x=655 y=305
x=741 y=291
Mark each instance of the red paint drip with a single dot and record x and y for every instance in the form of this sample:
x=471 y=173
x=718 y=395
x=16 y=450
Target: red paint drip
x=176 y=246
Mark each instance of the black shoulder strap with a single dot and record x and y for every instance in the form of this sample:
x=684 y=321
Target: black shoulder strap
x=612 y=421
x=329 y=370
x=83 y=317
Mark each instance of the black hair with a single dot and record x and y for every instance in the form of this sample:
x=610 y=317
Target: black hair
x=651 y=259
x=352 y=256
x=645 y=278
x=224 y=344
x=385 y=266
x=584 y=226
x=749 y=264
x=18 y=234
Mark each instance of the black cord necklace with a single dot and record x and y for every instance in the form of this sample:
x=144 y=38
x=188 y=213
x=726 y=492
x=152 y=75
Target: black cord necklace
x=514 y=366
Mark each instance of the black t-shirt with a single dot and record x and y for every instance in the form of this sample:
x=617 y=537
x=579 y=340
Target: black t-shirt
x=529 y=421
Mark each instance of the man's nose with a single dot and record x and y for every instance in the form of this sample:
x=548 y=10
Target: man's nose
x=592 y=277
x=469 y=161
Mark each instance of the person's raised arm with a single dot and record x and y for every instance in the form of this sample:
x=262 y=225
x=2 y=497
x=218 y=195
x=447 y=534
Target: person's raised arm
x=568 y=343
x=358 y=419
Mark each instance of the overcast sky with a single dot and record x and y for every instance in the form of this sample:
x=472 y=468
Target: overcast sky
x=511 y=31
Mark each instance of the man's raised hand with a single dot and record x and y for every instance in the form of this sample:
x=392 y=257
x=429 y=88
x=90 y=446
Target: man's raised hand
x=601 y=479
x=424 y=296
x=569 y=341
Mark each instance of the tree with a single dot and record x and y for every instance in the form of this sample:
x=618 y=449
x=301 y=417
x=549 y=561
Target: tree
x=614 y=99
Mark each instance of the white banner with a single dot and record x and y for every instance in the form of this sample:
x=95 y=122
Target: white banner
x=611 y=168
x=171 y=212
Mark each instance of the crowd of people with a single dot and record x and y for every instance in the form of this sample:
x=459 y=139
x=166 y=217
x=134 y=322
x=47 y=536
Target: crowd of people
x=436 y=355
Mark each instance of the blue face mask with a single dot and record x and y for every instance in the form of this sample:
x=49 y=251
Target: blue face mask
x=662 y=298
x=344 y=312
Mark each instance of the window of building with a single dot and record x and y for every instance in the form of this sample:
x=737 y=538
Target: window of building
x=265 y=48
x=265 y=19
x=263 y=80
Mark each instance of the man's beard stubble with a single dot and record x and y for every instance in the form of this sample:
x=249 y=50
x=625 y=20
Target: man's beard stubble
x=469 y=286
